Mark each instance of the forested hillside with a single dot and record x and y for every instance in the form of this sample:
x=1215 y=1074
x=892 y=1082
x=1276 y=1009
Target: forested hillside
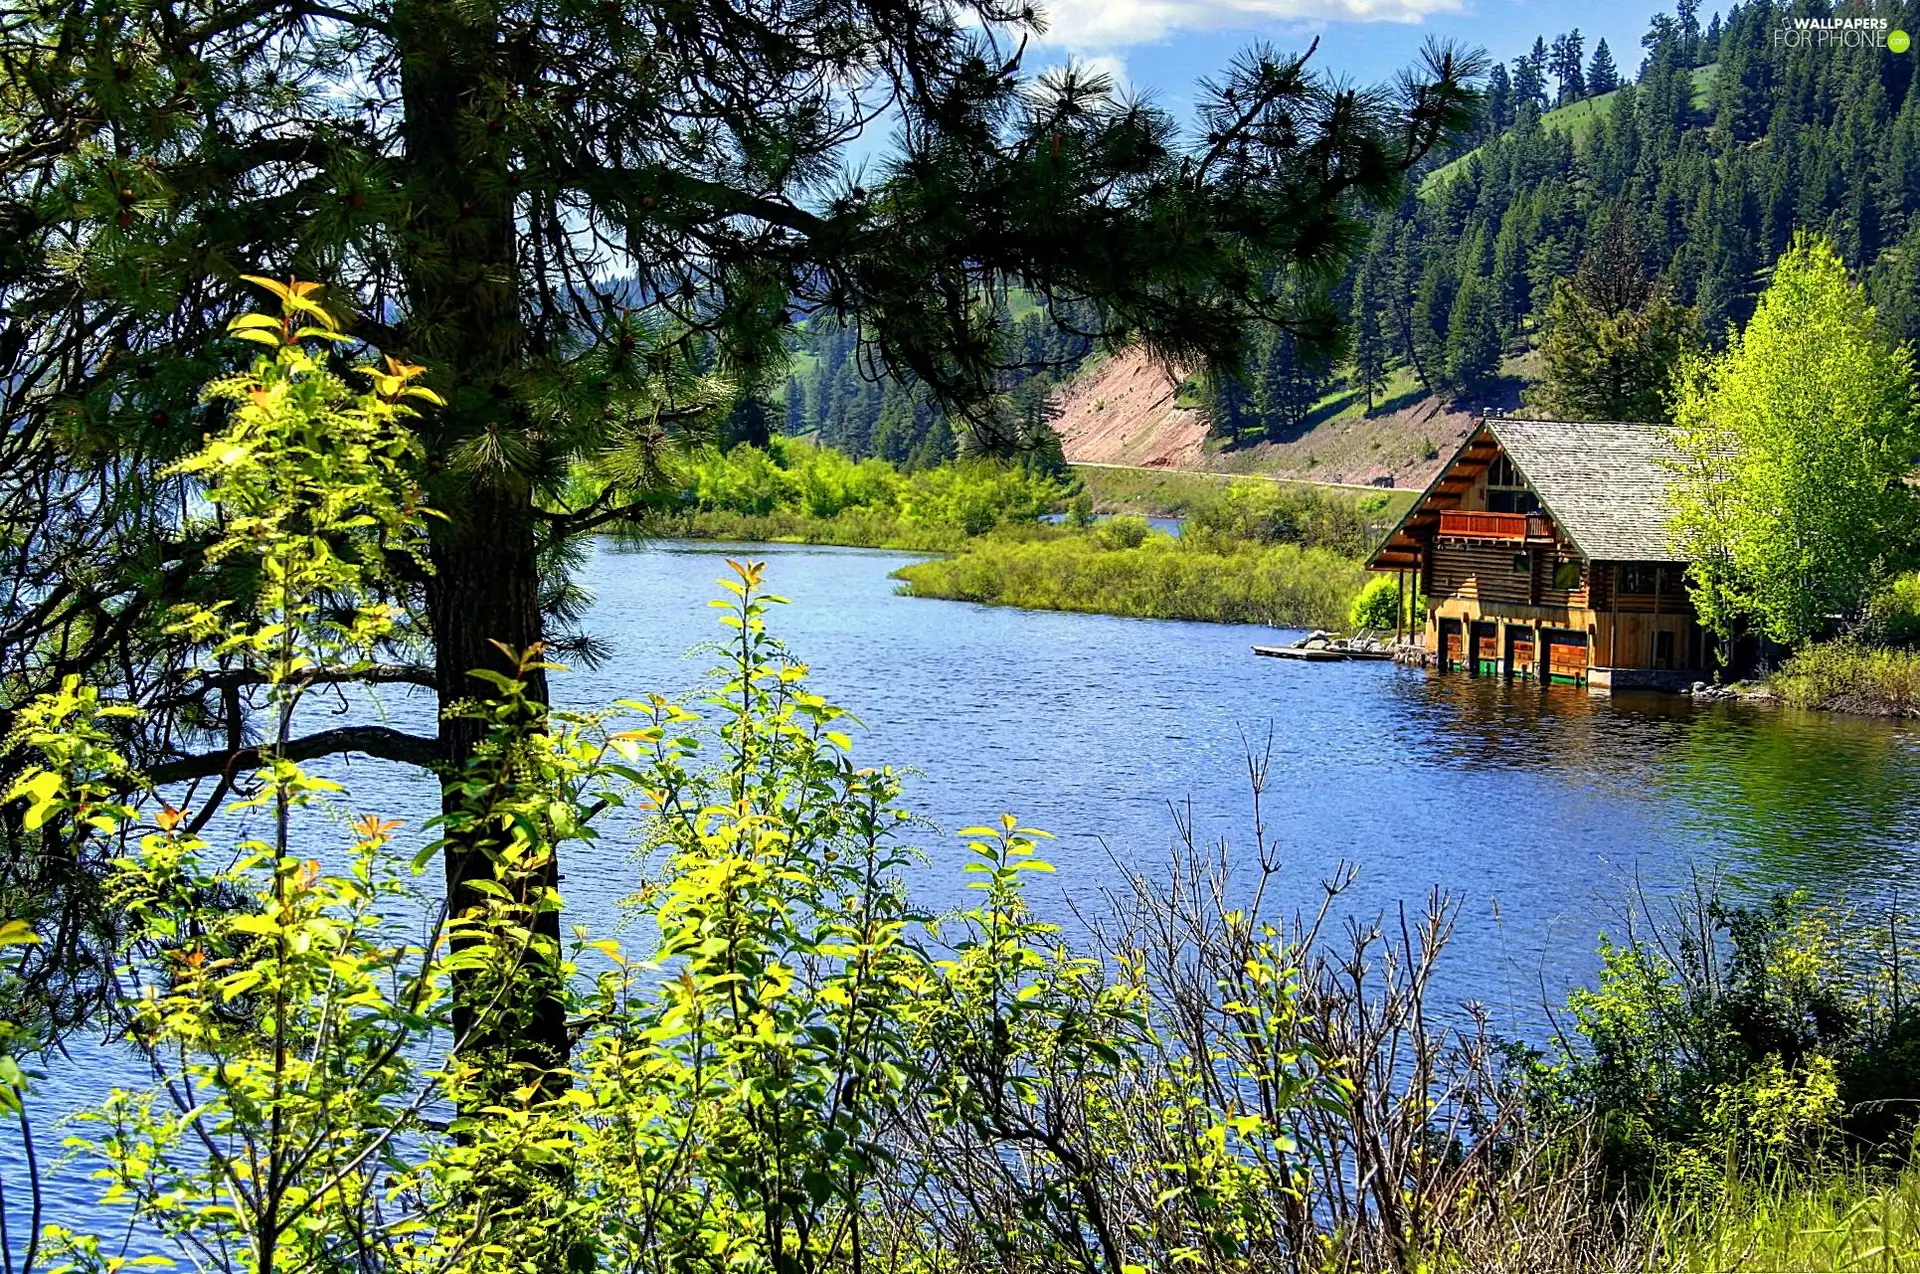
x=1729 y=140
x=1703 y=150
x=837 y=391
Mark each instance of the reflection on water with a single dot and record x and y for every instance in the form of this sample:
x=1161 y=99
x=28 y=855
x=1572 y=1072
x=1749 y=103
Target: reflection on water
x=1539 y=809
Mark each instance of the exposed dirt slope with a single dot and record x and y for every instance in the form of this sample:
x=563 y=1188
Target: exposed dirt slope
x=1123 y=411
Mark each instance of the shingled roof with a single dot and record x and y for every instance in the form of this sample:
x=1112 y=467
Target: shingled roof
x=1604 y=482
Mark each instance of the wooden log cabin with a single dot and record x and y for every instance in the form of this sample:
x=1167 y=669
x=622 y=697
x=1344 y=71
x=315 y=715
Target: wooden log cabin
x=1542 y=551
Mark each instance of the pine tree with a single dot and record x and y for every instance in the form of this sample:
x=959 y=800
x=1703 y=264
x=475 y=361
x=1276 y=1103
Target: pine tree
x=1895 y=287
x=1292 y=377
x=1369 y=346
x=1433 y=303
x=796 y=405
x=749 y=421
x=1602 y=75
x=1473 y=338
x=1529 y=82
x=1614 y=335
x=1499 y=101
x=1229 y=406
x=1565 y=64
x=1688 y=13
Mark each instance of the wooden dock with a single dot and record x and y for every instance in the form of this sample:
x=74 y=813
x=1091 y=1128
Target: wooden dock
x=1315 y=654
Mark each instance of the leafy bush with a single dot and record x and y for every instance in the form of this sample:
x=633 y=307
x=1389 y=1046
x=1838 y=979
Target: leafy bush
x=1762 y=1038
x=1123 y=533
x=1377 y=605
x=794 y=490
x=1276 y=513
x=1894 y=614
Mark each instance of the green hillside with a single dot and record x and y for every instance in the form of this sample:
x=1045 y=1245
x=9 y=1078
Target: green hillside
x=1579 y=119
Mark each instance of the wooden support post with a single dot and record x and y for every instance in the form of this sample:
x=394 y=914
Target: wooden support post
x=1402 y=619
x=1613 y=620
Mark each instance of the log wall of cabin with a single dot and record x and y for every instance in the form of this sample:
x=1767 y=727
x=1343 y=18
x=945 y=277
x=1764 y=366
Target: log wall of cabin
x=1479 y=571
x=1625 y=623
x=1544 y=566
x=1473 y=583
x=1485 y=573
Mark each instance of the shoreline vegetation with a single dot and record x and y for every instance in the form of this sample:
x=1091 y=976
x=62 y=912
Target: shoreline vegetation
x=1734 y=1090
x=1124 y=568
x=1850 y=676
x=1284 y=554
x=1250 y=551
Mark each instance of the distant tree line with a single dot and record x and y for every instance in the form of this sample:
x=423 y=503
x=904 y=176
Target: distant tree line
x=837 y=391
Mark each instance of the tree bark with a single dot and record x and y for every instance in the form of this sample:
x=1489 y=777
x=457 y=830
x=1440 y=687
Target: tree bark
x=464 y=323
x=486 y=589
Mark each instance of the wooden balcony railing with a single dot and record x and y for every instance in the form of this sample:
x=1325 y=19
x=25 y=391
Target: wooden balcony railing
x=1496 y=526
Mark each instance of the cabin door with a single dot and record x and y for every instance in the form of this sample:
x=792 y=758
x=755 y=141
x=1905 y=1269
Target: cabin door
x=1520 y=652
x=1566 y=657
x=1486 y=650
x=1452 y=649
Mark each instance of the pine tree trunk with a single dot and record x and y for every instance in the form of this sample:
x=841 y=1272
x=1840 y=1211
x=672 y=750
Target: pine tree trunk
x=485 y=589
x=464 y=322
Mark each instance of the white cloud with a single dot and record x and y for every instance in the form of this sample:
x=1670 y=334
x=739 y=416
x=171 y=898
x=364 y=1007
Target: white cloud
x=1115 y=24
x=1109 y=65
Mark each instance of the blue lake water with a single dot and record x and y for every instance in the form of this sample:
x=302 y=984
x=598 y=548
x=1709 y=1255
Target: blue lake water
x=1541 y=811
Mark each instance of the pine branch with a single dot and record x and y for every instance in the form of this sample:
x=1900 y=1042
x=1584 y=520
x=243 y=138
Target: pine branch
x=378 y=741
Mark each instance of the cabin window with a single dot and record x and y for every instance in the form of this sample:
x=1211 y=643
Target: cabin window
x=1639 y=577
x=1507 y=491
x=1663 y=649
x=1523 y=563
x=1566 y=574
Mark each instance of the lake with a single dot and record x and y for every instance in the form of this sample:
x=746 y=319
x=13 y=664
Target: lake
x=1542 y=811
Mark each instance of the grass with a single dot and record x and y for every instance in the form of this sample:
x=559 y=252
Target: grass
x=1177 y=492
x=1578 y=118
x=1851 y=1221
x=1851 y=677
x=855 y=528
x=1149 y=577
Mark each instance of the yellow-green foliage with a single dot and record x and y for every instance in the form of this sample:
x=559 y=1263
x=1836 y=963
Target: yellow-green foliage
x=1851 y=677
x=1789 y=497
x=796 y=491
x=1341 y=519
x=1153 y=576
x=1377 y=605
x=1894 y=615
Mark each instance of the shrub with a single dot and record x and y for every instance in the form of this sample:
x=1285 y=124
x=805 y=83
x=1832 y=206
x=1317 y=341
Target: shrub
x=1758 y=1038
x=1123 y=533
x=1851 y=676
x=1277 y=513
x=1377 y=605
x=794 y=490
x=1894 y=614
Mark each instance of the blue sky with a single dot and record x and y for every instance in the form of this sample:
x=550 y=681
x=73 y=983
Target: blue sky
x=1164 y=46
